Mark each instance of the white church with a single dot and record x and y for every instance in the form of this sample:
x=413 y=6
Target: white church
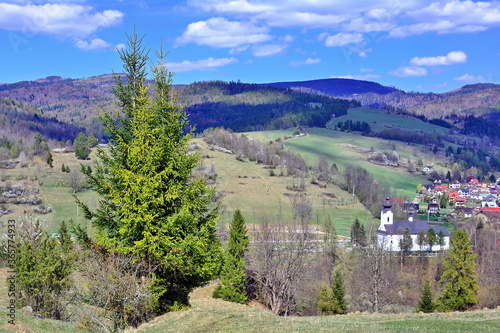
x=391 y=231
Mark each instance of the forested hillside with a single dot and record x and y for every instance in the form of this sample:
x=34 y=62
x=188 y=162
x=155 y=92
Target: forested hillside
x=237 y=106
x=248 y=107
x=20 y=120
x=473 y=99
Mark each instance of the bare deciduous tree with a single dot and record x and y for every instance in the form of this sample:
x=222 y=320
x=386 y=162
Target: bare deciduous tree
x=278 y=262
x=75 y=181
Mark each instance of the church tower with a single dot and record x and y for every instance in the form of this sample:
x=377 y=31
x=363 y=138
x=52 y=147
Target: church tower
x=386 y=216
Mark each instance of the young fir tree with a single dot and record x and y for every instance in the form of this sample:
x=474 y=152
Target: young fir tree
x=338 y=293
x=43 y=272
x=426 y=301
x=81 y=146
x=150 y=205
x=326 y=304
x=233 y=276
x=63 y=168
x=92 y=141
x=67 y=169
x=64 y=237
x=49 y=157
x=459 y=277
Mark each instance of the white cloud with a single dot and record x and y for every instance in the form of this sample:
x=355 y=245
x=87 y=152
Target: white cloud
x=268 y=49
x=199 y=65
x=301 y=19
x=119 y=47
x=409 y=71
x=366 y=70
x=95 y=44
x=451 y=17
x=218 y=32
x=308 y=61
x=238 y=49
x=469 y=78
x=364 y=53
x=454 y=57
x=234 y=6
x=421 y=28
x=343 y=38
x=362 y=16
x=62 y=20
x=287 y=38
x=360 y=77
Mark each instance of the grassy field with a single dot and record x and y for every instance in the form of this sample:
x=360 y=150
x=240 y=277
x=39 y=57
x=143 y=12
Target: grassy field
x=342 y=148
x=245 y=185
x=213 y=315
x=249 y=187
x=380 y=119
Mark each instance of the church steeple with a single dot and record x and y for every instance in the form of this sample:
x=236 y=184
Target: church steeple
x=386 y=216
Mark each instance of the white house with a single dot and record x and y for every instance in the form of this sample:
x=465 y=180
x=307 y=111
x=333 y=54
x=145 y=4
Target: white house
x=427 y=169
x=391 y=231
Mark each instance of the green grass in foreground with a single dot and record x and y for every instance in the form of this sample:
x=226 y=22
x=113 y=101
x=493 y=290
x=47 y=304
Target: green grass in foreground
x=213 y=315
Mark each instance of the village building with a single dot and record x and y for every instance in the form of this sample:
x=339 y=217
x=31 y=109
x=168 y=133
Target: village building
x=391 y=231
x=427 y=169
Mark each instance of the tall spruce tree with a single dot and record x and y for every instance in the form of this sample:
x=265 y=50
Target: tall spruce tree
x=150 y=205
x=459 y=277
x=426 y=302
x=338 y=292
x=81 y=146
x=233 y=276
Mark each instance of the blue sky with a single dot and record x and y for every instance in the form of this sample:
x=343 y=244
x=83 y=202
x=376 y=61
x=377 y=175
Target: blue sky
x=412 y=45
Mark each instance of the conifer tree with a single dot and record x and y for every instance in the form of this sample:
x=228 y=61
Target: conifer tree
x=459 y=277
x=92 y=141
x=64 y=237
x=325 y=301
x=63 y=168
x=426 y=302
x=340 y=305
x=67 y=169
x=233 y=276
x=150 y=205
x=43 y=271
x=49 y=157
x=81 y=146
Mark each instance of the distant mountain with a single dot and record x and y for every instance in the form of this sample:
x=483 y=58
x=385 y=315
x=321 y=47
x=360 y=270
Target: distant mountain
x=238 y=106
x=336 y=87
x=473 y=99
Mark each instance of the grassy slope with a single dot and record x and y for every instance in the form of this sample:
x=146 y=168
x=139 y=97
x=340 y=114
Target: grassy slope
x=256 y=193
x=246 y=185
x=378 y=119
x=211 y=315
x=342 y=148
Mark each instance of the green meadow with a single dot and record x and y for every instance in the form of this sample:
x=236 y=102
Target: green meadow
x=380 y=119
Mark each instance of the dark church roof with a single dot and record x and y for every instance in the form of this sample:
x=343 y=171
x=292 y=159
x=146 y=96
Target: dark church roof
x=399 y=227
